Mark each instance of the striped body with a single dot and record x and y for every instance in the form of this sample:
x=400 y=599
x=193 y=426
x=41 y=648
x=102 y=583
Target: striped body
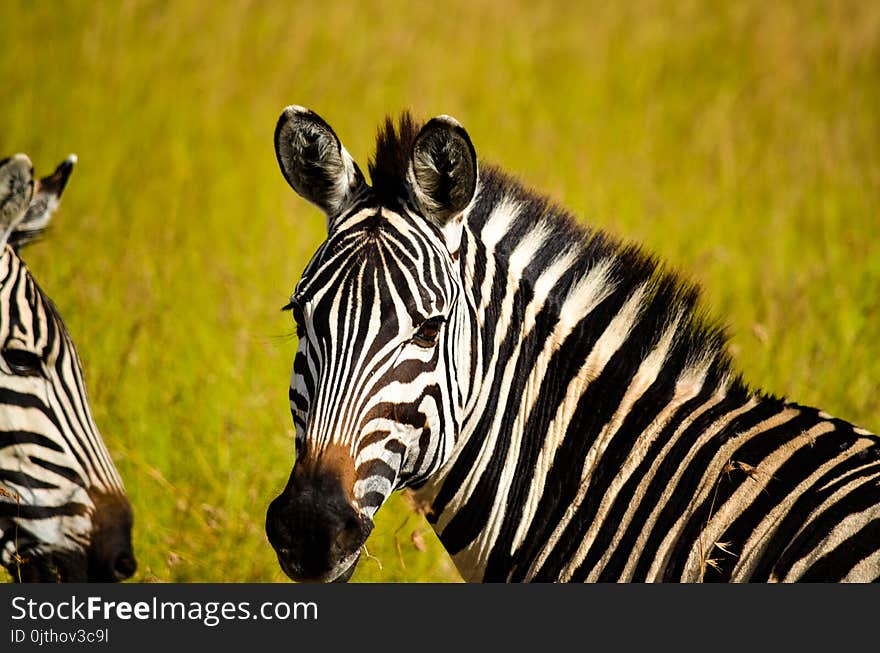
x=573 y=417
x=63 y=510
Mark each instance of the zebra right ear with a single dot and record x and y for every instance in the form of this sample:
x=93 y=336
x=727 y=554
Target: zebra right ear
x=16 y=190
x=314 y=162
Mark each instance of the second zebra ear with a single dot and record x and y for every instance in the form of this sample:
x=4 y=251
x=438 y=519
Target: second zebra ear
x=443 y=170
x=314 y=162
x=47 y=195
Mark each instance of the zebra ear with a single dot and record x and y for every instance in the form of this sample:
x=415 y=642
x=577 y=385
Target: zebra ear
x=16 y=191
x=44 y=203
x=443 y=170
x=314 y=162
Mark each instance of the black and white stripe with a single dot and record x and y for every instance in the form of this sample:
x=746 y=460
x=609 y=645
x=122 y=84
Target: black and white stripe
x=573 y=417
x=63 y=510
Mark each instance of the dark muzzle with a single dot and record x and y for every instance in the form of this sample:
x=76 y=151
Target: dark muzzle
x=108 y=559
x=111 y=556
x=316 y=532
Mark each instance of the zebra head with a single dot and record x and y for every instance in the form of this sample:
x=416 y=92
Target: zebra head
x=376 y=386
x=64 y=515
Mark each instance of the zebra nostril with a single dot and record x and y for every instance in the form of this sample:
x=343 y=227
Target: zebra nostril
x=351 y=536
x=124 y=566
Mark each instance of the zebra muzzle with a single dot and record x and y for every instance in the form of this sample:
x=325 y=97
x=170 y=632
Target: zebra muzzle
x=111 y=555
x=315 y=530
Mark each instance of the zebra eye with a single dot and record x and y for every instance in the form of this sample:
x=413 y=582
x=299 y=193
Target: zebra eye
x=294 y=307
x=23 y=363
x=428 y=332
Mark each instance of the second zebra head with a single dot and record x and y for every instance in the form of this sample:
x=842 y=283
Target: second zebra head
x=379 y=378
x=64 y=515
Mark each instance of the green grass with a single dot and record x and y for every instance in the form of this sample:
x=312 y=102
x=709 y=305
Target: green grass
x=740 y=143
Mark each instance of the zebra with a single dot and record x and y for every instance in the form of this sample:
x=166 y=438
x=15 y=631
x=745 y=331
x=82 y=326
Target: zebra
x=554 y=398
x=64 y=514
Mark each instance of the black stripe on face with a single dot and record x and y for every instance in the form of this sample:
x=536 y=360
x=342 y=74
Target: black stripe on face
x=396 y=447
x=13 y=312
x=63 y=472
x=12 y=438
x=406 y=414
x=376 y=467
x=299 y=402
x=301 y=368
x=374 y=437
x=30 y=299
x=371 y=500
x=25 y=480
x=25 y=511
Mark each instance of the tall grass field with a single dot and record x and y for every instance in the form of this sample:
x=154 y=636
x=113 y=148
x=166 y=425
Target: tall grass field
x=738 y=141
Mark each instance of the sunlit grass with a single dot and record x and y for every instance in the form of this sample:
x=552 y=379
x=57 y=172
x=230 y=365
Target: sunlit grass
x=740 y=143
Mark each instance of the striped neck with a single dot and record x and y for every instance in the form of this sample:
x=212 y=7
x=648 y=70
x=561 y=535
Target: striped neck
x=572 y=331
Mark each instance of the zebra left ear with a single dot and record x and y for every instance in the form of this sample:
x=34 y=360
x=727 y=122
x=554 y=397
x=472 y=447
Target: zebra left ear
x=47 y=195
x=443 y=173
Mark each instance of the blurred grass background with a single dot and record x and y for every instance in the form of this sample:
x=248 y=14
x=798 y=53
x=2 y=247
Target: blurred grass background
x=737 y=140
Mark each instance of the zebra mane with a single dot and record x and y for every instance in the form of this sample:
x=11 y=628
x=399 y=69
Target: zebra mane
x=389 y=164
x=668 y=297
